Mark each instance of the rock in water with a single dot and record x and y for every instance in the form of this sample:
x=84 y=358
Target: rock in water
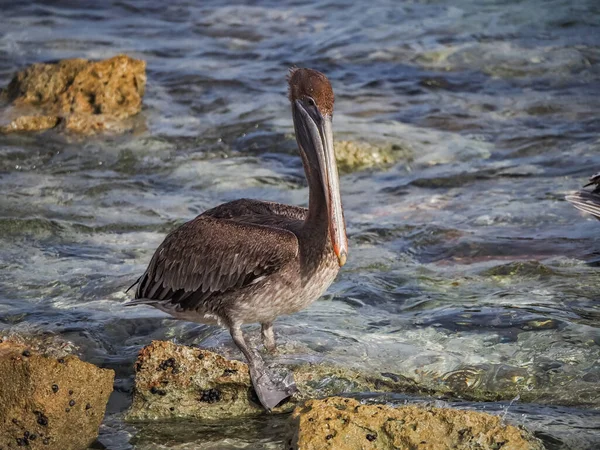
x=352 y=156
x=49 y=403
x=76 y=94
x=178 y=381
x=345 y=424
x=175 y=381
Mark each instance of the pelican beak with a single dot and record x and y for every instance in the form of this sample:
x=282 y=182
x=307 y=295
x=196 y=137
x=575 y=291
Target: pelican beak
x=315 y=137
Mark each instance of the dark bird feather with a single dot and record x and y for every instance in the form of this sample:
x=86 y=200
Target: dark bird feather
x=194 y=262
x=588 y=201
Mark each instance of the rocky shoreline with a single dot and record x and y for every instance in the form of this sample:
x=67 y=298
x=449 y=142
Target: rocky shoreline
x=176 y=381
x=179 y=382
x=59 y=402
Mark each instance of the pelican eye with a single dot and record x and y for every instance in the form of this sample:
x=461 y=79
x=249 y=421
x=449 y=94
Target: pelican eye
x=310 y=101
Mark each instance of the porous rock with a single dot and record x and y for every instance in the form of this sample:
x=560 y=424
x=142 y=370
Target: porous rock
x=175 y=381
x=75 y=94
x=178 y=381
x=346 y=424
x=359 y=155
x=50 y=403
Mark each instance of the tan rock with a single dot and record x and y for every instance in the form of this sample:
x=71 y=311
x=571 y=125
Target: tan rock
x=178 y=381
x=356 y=155
x=30 y=123
x=83 y=96
x=48 y=344
x=175 y=381
x=49 y=403
x=345 y=424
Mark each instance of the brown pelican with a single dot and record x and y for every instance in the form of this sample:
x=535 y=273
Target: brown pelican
x=250 y=261
x=588 y=201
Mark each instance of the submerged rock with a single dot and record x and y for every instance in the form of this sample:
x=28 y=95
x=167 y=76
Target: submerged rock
x=356 y=155
x=520 y=269
x=175 y=381
x=48 y=344
x=76 y=95
x=346 y=424
x=50 y=403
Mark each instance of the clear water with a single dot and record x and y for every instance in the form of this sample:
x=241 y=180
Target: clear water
x=467 y=267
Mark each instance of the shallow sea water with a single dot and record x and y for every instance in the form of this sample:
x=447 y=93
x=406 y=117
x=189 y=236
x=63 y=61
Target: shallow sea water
x=467 y=267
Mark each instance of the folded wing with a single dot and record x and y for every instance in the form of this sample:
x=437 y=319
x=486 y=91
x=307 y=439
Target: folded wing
x=211 y=255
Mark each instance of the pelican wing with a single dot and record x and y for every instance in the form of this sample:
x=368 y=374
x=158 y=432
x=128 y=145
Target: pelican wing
x=586 y=201
x=209 y=255
x=258 y=211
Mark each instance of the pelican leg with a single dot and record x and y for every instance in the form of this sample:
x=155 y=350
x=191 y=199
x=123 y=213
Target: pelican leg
x=268 y=337
x=269 y=392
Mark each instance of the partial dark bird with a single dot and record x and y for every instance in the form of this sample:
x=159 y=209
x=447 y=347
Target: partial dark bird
x=250 y=261
x=588 y=201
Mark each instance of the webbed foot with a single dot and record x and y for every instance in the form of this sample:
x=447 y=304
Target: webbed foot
x=270 y=391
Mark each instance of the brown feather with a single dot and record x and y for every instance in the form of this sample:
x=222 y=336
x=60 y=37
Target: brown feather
x=219 y=251
x=305 y=83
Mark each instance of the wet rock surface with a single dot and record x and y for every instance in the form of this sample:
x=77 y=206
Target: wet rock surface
x=48 y=402
x=75 y=95
x=178 y=381
x=345 y=424
x=359 y=155
x=175 y=381
x=48 y=344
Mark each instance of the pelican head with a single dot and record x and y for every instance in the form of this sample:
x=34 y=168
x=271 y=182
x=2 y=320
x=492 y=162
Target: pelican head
x=312 y=100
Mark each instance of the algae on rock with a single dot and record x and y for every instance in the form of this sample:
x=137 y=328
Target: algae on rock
x=175 y=381
x=178 y=381
x=358 y=155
